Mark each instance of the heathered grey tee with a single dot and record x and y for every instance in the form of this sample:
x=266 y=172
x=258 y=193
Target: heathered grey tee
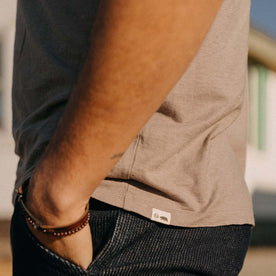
x=52 y=40
x=186 y=166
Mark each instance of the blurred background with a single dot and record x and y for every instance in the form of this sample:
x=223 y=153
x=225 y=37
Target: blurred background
x=261 y=151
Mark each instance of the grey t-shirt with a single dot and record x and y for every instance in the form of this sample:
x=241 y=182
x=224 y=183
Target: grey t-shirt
x=52 y=40
x=187 y=164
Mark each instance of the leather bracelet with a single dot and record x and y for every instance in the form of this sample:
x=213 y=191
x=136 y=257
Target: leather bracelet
x=54 y=231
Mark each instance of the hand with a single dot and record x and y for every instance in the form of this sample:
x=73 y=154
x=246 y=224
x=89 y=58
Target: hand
x=76 y=248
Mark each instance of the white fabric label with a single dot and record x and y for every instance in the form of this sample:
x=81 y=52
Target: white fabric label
x=161 y=216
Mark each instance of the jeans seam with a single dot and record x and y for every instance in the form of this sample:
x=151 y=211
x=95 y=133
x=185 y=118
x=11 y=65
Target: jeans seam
x=107 y=248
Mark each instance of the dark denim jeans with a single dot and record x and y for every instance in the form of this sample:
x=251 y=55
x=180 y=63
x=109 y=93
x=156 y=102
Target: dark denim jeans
x=125 y=243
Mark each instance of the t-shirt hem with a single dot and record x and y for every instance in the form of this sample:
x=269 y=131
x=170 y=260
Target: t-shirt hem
x=188 y=220
x=124 y=198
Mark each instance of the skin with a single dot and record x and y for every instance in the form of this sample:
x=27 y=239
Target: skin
x=139 y=50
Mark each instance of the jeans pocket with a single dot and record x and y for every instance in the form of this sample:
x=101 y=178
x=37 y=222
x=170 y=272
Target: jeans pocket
x=31 y=257
x=105 y=230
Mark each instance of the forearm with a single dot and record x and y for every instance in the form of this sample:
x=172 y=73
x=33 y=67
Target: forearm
x=138 y=52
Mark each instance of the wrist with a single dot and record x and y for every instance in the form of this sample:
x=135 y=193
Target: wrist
x=53 y=230
x=50 y=206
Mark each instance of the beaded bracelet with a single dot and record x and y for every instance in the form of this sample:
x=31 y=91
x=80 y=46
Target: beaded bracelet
x=54 y=231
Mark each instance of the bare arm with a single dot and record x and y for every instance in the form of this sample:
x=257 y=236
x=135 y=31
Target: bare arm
x=139 y=51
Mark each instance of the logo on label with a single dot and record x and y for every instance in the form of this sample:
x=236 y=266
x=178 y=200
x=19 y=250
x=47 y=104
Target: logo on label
x=161 y=216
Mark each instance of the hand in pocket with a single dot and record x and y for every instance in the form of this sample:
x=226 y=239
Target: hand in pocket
x=76 y=248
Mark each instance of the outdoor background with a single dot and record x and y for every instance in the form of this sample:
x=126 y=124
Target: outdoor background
x=261 y=153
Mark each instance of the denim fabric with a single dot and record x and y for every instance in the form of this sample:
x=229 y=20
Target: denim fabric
x=125 y=243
